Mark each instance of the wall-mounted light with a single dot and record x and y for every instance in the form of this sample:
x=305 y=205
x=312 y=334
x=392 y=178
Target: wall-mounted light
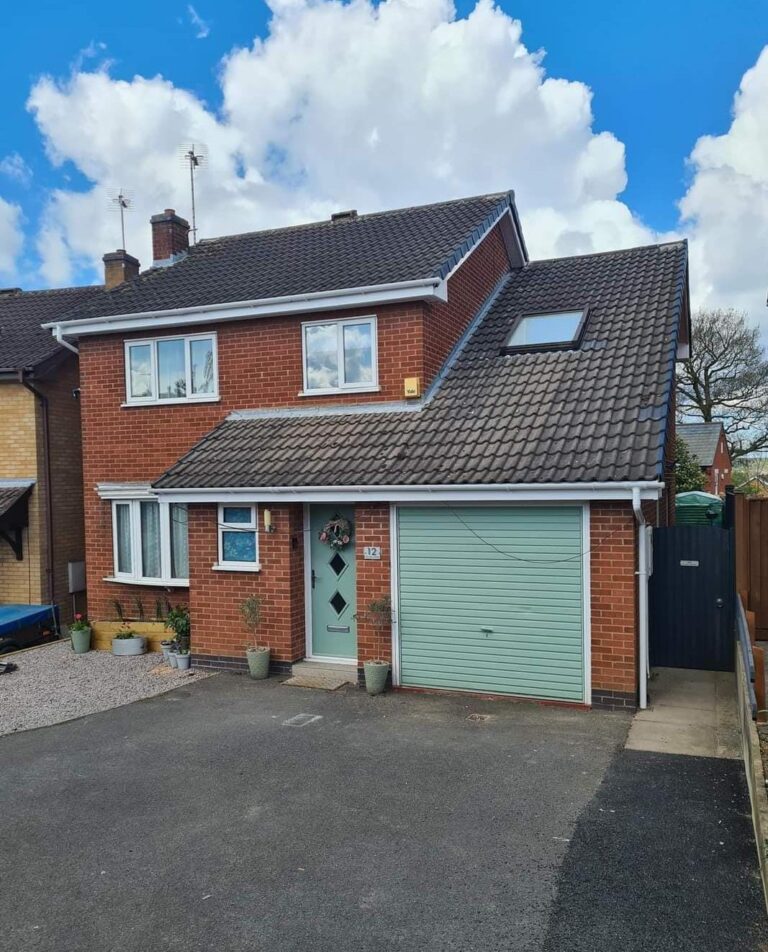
x=268 y=526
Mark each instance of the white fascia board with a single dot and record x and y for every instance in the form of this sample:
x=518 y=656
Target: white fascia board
x=554 y=492
x=125 y=491
x=432 y=289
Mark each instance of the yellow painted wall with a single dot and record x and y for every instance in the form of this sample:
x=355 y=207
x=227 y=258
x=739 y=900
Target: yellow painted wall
x=21 y=581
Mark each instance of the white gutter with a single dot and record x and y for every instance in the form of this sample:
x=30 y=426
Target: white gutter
x=57 y=333
x=642 y=575
x=511 y=492
x=422 y=289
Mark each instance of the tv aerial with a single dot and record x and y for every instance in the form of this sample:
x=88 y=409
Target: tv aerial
x=122 y=199
x=194 y=156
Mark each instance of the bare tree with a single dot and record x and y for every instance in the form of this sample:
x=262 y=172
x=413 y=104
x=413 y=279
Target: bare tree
x=726 y=379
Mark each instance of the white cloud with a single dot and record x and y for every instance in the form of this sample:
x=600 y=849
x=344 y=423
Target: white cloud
x=202 y=29
x=341 y=105
x=14 y=167
x=11 y=237
x=725 y=209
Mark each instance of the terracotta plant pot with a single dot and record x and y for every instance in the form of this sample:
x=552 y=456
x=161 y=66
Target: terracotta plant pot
x=375 y=676
x=81 y=639
x=258 y=662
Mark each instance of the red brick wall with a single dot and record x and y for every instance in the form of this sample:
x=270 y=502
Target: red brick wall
x=445 y=322
x=260 y=365
x=613 y=601
x=218 y=631
x=373 y=579
x=716 y=482
x=66 y=479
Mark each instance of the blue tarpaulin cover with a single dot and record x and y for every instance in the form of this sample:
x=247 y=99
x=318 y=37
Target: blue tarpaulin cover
x=14 y=617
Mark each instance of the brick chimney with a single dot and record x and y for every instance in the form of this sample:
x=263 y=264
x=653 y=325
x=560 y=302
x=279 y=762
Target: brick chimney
x=119 y=266
x=170 y=237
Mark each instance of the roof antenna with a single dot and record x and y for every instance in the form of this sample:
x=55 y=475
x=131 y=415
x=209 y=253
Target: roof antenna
x=194 y=157
x=121 y=198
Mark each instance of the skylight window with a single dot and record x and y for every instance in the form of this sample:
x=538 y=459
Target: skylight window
x=547 y=330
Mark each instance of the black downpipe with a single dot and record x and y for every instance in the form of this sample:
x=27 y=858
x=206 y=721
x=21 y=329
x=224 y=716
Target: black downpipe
x=48 y=484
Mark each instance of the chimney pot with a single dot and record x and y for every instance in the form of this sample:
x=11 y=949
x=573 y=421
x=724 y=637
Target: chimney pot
x=170 y=238
x=119 y=266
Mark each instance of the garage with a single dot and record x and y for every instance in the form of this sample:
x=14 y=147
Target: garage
x=491 y=599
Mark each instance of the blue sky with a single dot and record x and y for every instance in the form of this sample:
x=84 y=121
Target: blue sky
x=662 y=74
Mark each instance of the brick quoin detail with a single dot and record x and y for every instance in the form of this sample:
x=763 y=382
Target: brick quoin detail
x=613 y=600
x=260 y=366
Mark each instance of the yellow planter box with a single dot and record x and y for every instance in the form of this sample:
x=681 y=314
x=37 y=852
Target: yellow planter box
x=105 y=631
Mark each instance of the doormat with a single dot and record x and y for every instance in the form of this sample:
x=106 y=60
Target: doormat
x=320 y=681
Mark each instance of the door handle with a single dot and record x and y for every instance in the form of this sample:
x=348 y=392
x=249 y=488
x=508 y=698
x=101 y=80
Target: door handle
x=487 y=631
x=314 y=578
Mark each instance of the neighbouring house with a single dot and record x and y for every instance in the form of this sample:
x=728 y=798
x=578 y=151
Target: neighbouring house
x=42 y=544
x=708 y=444
x=485 y=437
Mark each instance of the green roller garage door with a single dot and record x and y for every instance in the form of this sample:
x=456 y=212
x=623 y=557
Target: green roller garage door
x=491 y=599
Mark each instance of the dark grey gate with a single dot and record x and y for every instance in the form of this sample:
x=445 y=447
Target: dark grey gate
x=691 y=598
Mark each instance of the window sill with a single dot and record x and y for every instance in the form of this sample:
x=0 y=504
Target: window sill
x=184 y=401
x=153 y=582
x=337 y=393
x=218 y=567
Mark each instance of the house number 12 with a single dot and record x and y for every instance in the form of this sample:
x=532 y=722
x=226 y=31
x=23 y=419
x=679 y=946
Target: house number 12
x=372 y=552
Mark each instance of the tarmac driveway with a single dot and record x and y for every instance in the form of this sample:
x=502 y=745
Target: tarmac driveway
x=216 y=817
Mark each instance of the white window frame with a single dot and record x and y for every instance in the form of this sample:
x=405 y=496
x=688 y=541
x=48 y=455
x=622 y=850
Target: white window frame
x=343 y=387
x=222 y=564
x=154 y=399
x=134 y=577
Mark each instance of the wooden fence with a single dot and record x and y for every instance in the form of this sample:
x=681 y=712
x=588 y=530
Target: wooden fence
x=750 y=520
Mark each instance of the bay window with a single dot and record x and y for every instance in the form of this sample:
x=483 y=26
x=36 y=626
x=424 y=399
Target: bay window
x=340 y=355
x=171 y=369
x=150 y=542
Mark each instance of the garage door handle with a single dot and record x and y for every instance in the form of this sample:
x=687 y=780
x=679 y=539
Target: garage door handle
x=487 y=631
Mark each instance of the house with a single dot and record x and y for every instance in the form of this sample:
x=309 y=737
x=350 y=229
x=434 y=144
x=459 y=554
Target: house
x=41 y=489
x=708 y=443
x=483 y=436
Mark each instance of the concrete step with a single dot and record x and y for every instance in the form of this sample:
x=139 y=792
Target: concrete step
x=323 y=675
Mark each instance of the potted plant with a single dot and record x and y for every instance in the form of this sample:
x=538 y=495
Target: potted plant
x=128 y=642
x=379 y=616
x=256 y=654
x=80 y=634
x=183 y=660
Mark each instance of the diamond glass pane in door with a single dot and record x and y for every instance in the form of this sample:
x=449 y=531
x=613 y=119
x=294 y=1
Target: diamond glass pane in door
x=338 y=564
x=338 y=603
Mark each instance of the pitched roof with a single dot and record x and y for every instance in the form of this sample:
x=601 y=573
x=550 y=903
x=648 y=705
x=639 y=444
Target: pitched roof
x=596 y=413
x=701 y=439
x=407 y=244
x=24 y=344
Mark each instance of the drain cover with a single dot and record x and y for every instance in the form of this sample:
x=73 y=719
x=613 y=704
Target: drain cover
x=301 y=720
x=478 y=718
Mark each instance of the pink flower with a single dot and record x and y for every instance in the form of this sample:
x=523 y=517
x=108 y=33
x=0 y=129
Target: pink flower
x=323 y=536
x=78 y=617
x=345 y=539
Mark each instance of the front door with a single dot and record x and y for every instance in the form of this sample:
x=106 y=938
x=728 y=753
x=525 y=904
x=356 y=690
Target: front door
x=334 y=603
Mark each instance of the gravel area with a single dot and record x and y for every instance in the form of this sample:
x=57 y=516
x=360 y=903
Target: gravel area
x=53 y=684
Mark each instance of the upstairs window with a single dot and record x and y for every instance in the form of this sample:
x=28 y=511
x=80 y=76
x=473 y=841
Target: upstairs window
x=340 y=355
x=551 y=330
x=171 y=369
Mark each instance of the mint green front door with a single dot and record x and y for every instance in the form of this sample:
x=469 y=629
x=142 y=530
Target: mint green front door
x=334 y=602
